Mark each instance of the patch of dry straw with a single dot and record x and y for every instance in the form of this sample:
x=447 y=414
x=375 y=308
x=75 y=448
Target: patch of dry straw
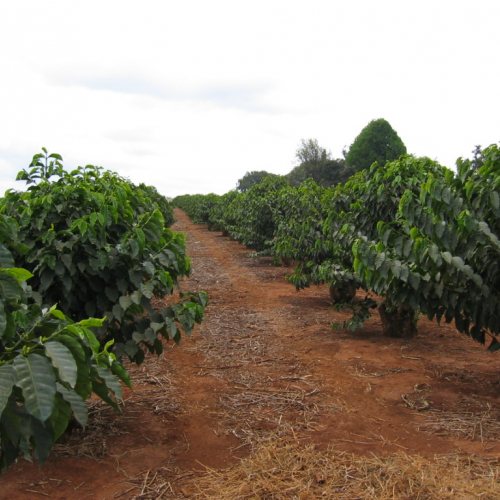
x=281 y=467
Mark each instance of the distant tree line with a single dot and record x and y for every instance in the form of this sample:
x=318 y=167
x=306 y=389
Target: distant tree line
x=377 y=142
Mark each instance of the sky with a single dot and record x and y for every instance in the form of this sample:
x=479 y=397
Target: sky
x=188 y=96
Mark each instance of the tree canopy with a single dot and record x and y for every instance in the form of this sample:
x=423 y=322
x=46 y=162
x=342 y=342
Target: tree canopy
x=317 y=163
x=377 y=142
x=251 y=179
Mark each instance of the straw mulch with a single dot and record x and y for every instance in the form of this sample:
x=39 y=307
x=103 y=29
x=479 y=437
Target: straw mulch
x=154 y=391
x=479 y=421
x=283 y=468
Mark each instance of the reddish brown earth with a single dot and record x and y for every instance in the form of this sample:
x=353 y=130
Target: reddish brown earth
x=266 y=358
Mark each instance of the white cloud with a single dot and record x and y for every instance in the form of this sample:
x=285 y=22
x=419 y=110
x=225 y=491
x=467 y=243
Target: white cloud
x=188 y=96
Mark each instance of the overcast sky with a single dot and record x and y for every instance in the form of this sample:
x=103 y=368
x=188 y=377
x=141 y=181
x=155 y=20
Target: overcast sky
x=189 y=95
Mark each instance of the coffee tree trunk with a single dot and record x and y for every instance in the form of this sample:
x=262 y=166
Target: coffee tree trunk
x=340 y=293
x=398 y=321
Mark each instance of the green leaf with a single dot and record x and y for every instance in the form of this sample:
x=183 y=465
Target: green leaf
x=43 y=437
x=19 y=273
x=102 y=391
x=447 y=257
x=3 y=319
x=111 y=382
x=112 y=294
x=458 y=263
x=46 y=279
x=434 y=253
x=66 y=259
x=494 y=346
x=147 y=289
x=63 y=360
x=83 y=226
x=136 y=297
x=82 y=387
x=396 y=268
x=76 y=402
x=149 y=268
x=118 y=312
x=404 y=273
x=118 y=369
x=91 y=322
x=57 y=314
x=134 y=248
x=379 y=260
x=384 y=268
x=495 y=200
x=407 y=247
x=6 y=259
x=414 y=232
x=7 y=380
x=439 y=228
x=36 y=379
x=398 y=245
x=60 y=417
x=446 y=195
x=136 y=278
x=10 y=288
x=125 y=302
x=414 y=280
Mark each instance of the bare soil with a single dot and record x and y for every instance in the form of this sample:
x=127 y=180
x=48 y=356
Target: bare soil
x=265 y=361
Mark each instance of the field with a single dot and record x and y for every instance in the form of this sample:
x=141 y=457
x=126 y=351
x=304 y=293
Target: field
x=266 y=401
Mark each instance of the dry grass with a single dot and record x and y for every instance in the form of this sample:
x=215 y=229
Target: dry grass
x=92 y=442
x=153 y=390
x=284 y=465
x=283 y=468
x=480 y=422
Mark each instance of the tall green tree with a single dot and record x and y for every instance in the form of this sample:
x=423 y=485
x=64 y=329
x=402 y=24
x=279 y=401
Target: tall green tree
x=377 y=142
x=317 y=163
x=310 y=151
x=251 y=179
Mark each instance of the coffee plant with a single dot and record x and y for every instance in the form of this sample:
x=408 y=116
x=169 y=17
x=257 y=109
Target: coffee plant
x=420 y=236
x=49 y=365
x=299 y=234
x=198 y=207
x=368 y=198
x=442 y=255
x=97 y=246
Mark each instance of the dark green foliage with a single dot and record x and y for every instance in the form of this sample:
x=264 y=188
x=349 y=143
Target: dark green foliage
x=409 y=230
x=371 y=196
x=443 y=255
x=377 y=142
x=98 y=246
x=199 y=207
x=49 y=365
x=320 y=234
x=299 y=234
x=326 y=173
x=220 y=215
x=247 y=217
x=253 y=214
x=250 y=179
x=317 y=163
x=477 y=159
x=159 y=201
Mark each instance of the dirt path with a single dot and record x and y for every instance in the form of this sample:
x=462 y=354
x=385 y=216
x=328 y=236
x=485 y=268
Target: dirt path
x=266 y=361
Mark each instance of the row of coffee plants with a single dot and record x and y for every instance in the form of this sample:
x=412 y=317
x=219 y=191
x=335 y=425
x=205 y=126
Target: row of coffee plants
x=97 y=246
x=412 y=231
